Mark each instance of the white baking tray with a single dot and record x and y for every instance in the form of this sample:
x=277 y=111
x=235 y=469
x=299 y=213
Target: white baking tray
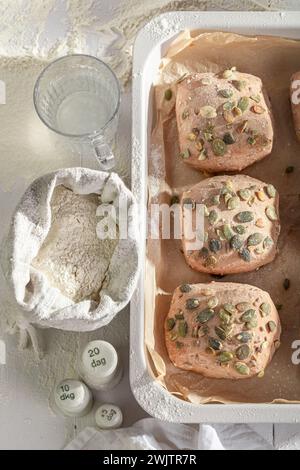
x=150 y=45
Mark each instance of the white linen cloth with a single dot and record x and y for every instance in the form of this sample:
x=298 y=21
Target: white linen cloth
x=152 y=434
x=44 y=305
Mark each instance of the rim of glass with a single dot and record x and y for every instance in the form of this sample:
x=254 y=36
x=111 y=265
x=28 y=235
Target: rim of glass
x=66 y=57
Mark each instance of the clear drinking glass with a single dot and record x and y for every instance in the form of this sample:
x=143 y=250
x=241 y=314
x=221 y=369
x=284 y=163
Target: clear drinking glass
x=78 y=96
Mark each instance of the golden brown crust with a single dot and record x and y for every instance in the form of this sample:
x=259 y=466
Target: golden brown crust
x=231 y=333
x=224 y=124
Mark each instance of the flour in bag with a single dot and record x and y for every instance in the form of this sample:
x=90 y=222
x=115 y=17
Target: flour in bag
x=72 y=257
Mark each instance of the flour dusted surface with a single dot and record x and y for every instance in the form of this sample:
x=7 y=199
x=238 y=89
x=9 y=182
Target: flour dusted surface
x=72 y=257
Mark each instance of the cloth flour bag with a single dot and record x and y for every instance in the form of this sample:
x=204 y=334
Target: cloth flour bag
x=40 y=302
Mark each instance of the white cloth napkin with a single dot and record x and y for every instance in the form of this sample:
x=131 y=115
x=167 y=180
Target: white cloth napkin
x=151 y=434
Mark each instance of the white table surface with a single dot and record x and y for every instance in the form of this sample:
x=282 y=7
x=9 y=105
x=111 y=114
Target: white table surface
x=26 y=419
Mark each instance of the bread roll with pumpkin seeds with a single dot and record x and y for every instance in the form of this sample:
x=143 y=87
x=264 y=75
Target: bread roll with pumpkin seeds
x=295 y=102
x=222 y=330
x=241 y=224
x=224 y=121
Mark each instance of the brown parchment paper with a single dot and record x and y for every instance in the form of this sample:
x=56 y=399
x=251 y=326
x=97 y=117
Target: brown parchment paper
x=274 y=60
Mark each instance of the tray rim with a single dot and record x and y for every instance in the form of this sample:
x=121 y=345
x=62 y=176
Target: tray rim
x=145 y=389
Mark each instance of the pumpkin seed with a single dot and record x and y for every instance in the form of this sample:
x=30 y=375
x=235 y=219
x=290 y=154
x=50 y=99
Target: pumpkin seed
x=189 y=202
x=228 y=106
x=221 y=333
x=173 y=336
x=213 y=302
x=215 y=200
x=243 y=352
x=255 y=98
x=244 y=217
x=192 y=137
x=229 y=308
x=260 y=195
x=255 y=239
x=265 y=309
x=271 y=325
x=271 y=213
x=185 y=114
x=185 y=154
x=170 y=324
x=271 y=191
x=208 y=112
x=268 y=242
x=257 y=109
x=225 y=317
x=185 y=288
x=252 y=324
x=168 y=94
x=249 y=315
x=244 y=194
x=182 y=329
x=206 y=315
x=242 y=368
x=264 y=345
x=244 y=337
x=260 y=223
x=202 y=331
x=213 y=217
x=210 y=261
x=239 y=84
x=219 y=147
x=225 y=357
x=192 y=303
x=202 y=155
x=206 y=211
x=259 y=250
x=236 y=242
x=225 y=93
x=286 y=284
x=215 y=344
x=261 y=374
x=220 y=234
x=243 y=103
x=228 y=138
x=242 y=306
x=227 y=187
x=240 y=229
x=237 y=112
x=227 y=232
x=215 y=245
x=228 y=116
x=245 y=255
x=204 y=252
x=179 y=345
x=227 y=73
x=233 y=203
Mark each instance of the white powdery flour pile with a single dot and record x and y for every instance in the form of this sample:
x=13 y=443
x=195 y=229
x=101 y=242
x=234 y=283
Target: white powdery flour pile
x=72 y=257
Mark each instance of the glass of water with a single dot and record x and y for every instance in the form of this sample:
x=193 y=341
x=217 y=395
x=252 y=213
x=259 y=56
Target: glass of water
x=78 y=96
